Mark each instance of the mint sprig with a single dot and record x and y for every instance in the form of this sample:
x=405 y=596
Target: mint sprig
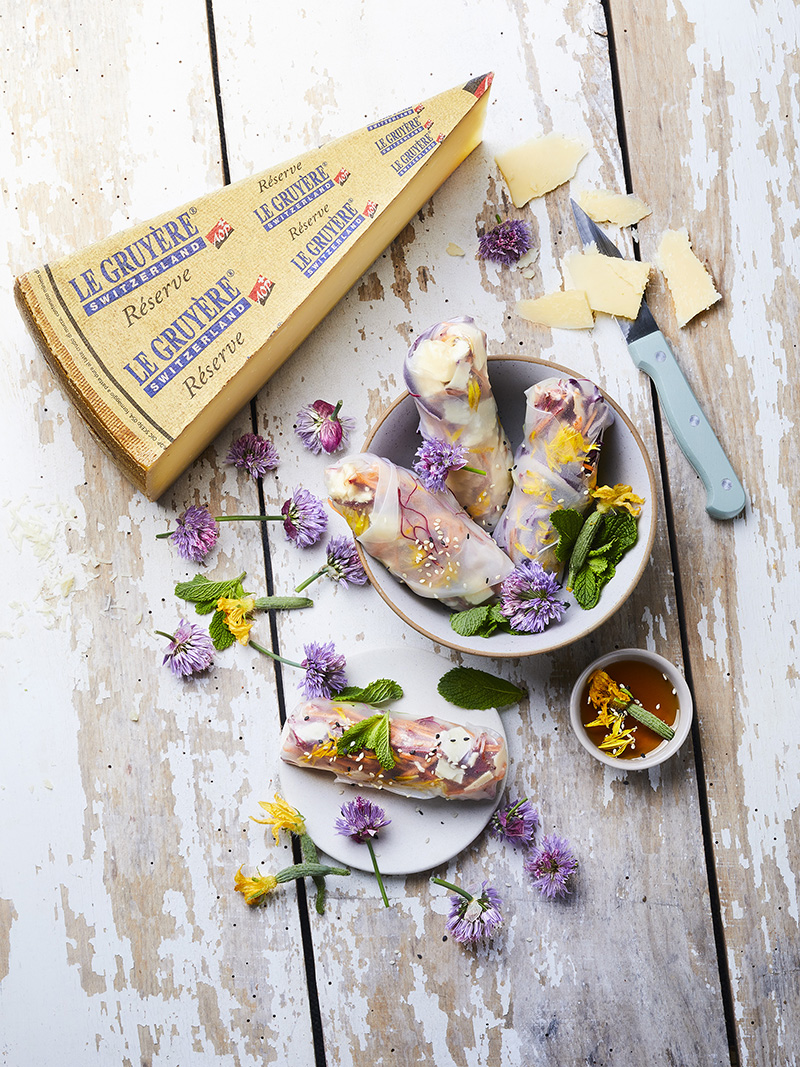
x=592 y=547
x=467 y=687
x=376 y=693
x=204 y=593
x=369 y=735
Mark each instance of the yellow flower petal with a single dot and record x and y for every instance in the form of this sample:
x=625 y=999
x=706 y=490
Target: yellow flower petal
x=568 y=445
x=617 y=496
x=282 y=816
x=235 y=614
x=254 y=890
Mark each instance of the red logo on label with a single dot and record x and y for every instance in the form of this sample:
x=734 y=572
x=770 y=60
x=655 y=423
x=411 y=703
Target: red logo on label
x=370 y=209
x=261 y=290
x=428 y=124
x=220 y=233
x=418 y=108
x=439 y=138
x=342 y=176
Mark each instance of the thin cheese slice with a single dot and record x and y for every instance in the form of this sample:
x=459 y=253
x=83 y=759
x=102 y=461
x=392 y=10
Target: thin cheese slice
x=535 y=167
x=690 y=284
x=160 y=335
x=567 y=310
x=621 y=209
x=612 y=285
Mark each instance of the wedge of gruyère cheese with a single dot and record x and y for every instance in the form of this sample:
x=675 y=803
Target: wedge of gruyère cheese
x=612 y=285
x=690 y=285
x=162 y=333
x=621 y=209
x=538 y=166
x=566 y=310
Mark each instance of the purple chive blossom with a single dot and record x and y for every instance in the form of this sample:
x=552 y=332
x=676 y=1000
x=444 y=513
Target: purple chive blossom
x=528 y=598
x=343 y=564
x=506 y=243
x=196 y=533
x=324 y=669
x=322 y=429
x=475 y=918
x=517 y=823
x=304 y=518
x=190 y=650
x=361 y=820
x=551 y=866
x=253 y=453
x=435 y=459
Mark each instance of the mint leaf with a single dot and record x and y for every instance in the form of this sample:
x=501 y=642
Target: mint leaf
x=377 y=692
x=622 y=530
x=202 y=591
x=586 y=588
x=467 y=687
x=219 y=633
x=568 y=523
x=469 y=623
x=599 y=565
x=369 y=735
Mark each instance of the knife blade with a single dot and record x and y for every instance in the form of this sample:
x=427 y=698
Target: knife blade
x=725 y=496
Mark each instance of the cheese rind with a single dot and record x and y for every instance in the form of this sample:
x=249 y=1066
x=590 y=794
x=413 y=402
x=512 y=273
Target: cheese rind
x=621 y=209
x=566 y=310
x=614 y=286
x=161 y=334
x=540 y=165
x=691 y=286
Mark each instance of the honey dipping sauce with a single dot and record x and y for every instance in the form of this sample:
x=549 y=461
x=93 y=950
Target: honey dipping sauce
x=650 y=689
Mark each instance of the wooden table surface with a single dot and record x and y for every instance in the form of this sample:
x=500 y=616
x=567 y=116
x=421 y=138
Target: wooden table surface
x=127 y=794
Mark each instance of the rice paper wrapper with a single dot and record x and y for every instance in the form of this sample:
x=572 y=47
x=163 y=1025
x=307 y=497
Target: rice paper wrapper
x=424 y=539
x=555 y=466
x=433 y=758
x=446 y=372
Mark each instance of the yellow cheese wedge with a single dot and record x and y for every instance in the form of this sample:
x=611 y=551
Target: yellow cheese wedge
x=612 y=285
x=690 y=284
x=567 y=310
x=535 y=167
x=161 y=334
x=621 y=209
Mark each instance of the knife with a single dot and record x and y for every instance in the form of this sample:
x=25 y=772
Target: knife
x=725 y=497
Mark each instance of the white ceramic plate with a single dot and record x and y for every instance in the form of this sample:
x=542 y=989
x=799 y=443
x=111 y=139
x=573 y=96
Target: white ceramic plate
x=623 y=459
x=423 y=833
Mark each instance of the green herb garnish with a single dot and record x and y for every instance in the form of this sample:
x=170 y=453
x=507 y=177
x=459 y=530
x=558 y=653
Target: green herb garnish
x=467 y=687
x=593 y=547
x=376 y=693
x=369 y=735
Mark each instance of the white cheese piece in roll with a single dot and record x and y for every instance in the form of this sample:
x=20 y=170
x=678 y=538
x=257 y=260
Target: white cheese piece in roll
x=433 y=757
x=425 y=539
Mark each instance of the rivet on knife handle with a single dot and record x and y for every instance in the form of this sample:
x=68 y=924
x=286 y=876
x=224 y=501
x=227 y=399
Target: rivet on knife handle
x=725 y=496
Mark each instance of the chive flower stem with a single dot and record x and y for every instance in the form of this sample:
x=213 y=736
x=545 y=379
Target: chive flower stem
x=377 y=873
x=274 y=655
x=453 y=888
x=308 y=581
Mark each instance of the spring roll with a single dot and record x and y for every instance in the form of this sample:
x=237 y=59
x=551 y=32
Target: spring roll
x=424 y=539
x=433 y=758
x=555 y=466
x=446 y=374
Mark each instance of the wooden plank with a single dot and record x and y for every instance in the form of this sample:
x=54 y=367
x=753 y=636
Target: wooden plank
x=578 y=982
x=713 y=146
x=127 y=790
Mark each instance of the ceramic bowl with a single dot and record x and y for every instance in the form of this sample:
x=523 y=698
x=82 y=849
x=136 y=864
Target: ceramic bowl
x=623 y=459
x=683 y=720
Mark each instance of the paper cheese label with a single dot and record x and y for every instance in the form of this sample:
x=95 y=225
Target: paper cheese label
x=163 y=332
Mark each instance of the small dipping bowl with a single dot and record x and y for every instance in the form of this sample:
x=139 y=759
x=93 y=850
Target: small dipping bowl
x=683 y=718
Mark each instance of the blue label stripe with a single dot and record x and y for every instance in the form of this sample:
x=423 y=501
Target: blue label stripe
x=392 y=118
x=416 y=159
x=402 y=140
x=306 y=200
x=334 y=245
x=174 y=259
x=197 y=346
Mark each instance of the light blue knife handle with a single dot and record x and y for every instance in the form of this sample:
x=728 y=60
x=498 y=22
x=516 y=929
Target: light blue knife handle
x=725 y=496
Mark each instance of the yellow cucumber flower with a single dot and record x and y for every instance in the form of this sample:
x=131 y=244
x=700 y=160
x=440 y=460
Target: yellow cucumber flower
x=235 y=614
x=617 y=496
x=282 y=816
x=254 y=890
